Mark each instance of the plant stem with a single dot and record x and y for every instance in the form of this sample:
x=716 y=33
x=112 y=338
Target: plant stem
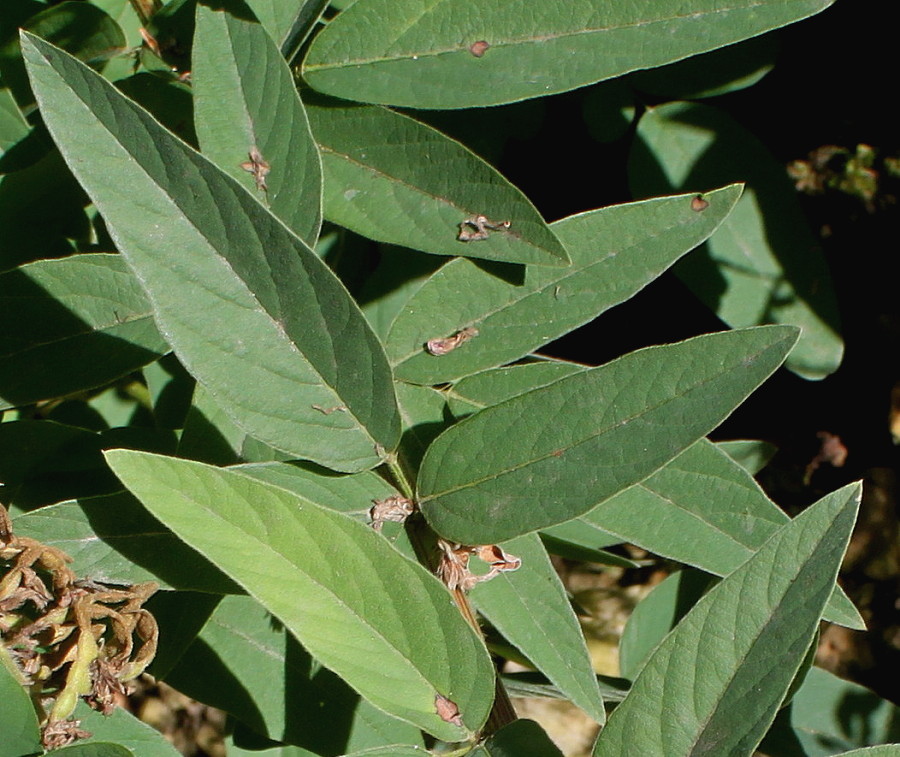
x=421 y=536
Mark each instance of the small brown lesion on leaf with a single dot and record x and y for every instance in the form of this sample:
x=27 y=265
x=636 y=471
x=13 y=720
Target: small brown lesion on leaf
x=447 y=710
x=453 y=567
x=479 y=48
x=478 y=227
x=438 y=347
x=557 y=453
x=258 y=167
x=699 y=204
x=329 y=410
x=393 y=509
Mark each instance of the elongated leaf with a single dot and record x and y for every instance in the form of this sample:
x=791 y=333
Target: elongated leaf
x=552 y=638
x=250 y=310
x=245 y=663
x=554 y=453
x=764 y=265
x=449 y=54
x=13 y=126
x=394 y=179
x=18 y=719
x=113 y=539
x=615 y=252
x=748 y=634
x=521 y=738
x=281 y=19
x=345 y=593
x=394 y=750
x=245 y=100
x=702 y=509
x=86 y=322
x=491 y=387
x=884 y=750
x=751 y=455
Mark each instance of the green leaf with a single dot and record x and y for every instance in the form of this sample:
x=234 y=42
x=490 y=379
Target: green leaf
x=521 y=738
x=554 y=453
x=18 y=719
x=361 y=600
x=244 y=662
x=405 y=52
x=735 y=654
x=124 y=728
x=245 y=98
x=425 y=415
x=394 y=750
x=287 y=23
x=615 y=253
x=251 y=311
x=657 y=614
x=88 y=323
x=394 y=179
x=764 y=265
x=496 y=385
x=80 y=28
x=828 y=716
x=94 y=749
x=113 y=539
x=13 y=126
x=752 y=455
x=552 y=638
x=702 y=509
x=43 y=462
x=884 y=750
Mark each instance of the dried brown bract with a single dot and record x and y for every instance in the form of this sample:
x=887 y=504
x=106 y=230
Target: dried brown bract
x=453 y=568
x=393 y=509
x=258 y=167
x=438 y=347
x=447 y=710
x=479 y=227
x=69 y=638
x=330 y=410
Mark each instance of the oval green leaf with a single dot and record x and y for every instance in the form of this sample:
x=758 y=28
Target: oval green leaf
x=88 y=323
x=734 y=655
x=453 y=54
x=250 y=310
x=249 y=118
x=554 y=453
x=764 y=264
x=394 y=179
x=361 y=608
x=615 y=252
x=18 y=719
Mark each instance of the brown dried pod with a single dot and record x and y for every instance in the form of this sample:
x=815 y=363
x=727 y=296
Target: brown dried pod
x=393 y=509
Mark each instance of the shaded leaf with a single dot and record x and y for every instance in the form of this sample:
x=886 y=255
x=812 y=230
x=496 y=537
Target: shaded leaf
x=246 y=105
x=394 y=179
x=552 y=638
x=521 y=738
x=113 y=539
x=251 y=311
x=18 y=719
x=449 y=54
x=87 y=320
x=829 y=716
x=752 y=455
x=124 y=728
x=554 y=453
x=764 y=265
x=748 y=634
x=615 y=253
x=94 y=749
x=245 y=662
x=361 y=600
x=702 y=509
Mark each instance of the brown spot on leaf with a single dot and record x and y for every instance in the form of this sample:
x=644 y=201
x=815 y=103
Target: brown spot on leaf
x=698 y=204
x=258 y=167
x=479 y=48
x=447 y=710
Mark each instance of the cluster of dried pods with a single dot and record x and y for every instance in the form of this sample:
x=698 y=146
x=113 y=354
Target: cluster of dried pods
x=66 y=638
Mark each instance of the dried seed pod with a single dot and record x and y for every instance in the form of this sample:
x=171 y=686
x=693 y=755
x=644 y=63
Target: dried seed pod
x=394 y=509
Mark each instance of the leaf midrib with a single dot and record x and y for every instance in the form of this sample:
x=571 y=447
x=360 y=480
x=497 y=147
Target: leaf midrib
x=528 y=40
